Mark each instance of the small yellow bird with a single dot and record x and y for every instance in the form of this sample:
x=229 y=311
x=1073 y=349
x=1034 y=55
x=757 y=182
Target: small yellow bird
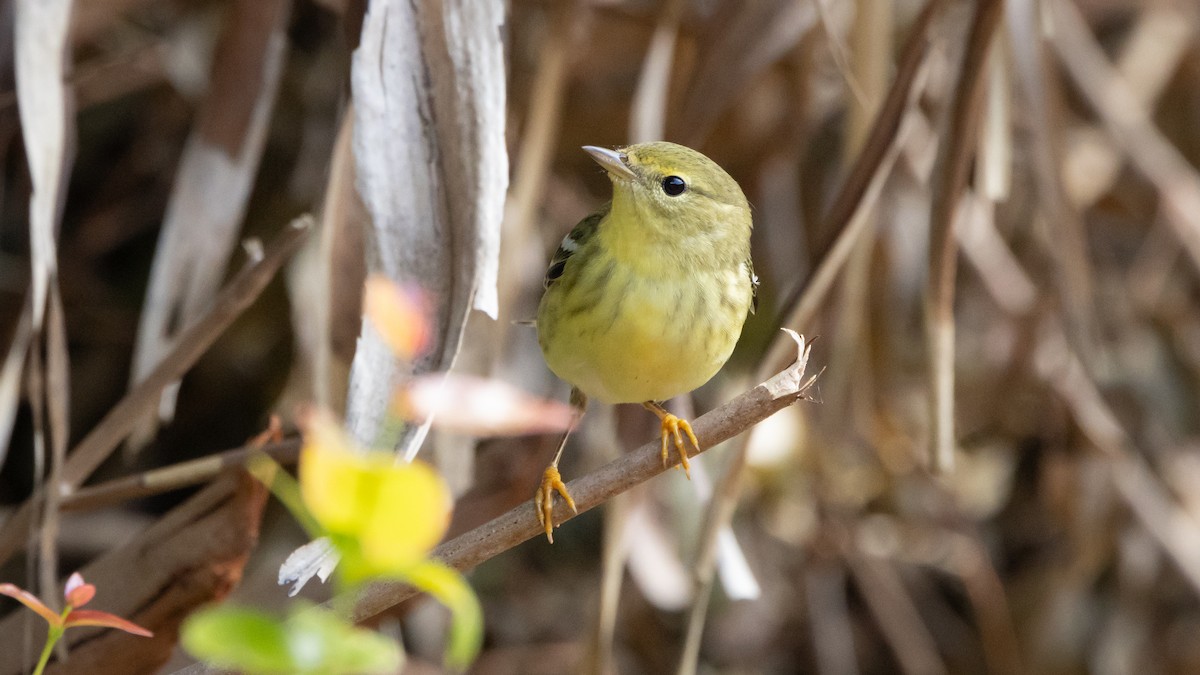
x=645 y=298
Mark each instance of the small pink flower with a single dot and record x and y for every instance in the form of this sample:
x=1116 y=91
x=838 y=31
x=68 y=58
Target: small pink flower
x=77 y=594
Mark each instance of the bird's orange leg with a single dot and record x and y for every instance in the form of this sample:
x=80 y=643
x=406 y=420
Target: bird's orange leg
x=674 y=427
x=543 y=499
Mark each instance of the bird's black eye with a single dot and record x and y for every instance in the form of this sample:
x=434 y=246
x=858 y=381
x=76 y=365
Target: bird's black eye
x=674 y=185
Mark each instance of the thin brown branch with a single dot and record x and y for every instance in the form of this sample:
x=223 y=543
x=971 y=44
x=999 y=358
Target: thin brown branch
x=99 y=444
x=174 y=477
x=56 y=382
x=521 y=524
x=959 y=150
x=866 y=177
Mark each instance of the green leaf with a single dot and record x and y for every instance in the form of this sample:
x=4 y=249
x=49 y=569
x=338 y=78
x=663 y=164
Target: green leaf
x=453 y=591
x=310 y=640
x=242 y=639
x=326 y=643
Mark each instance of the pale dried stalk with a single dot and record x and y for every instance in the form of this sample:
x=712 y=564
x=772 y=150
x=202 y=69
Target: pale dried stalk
x=47 y=127
x=1148 y=59
x=717 y=516
x=10 y=376
x=957 y=153
x=176 y=476
x=753 y=38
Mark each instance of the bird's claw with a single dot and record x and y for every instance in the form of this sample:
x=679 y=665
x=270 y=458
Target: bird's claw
x=543 y=499
x=674 y=427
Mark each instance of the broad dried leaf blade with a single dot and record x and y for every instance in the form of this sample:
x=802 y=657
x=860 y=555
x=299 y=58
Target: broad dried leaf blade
x=428 y=86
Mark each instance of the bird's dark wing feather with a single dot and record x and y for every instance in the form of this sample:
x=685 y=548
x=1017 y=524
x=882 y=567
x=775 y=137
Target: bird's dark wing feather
x=571 y=243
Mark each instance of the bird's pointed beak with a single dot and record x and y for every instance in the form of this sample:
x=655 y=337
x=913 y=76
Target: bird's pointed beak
x=611 y=161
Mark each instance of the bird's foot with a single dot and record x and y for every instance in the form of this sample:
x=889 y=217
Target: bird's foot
x=673 y=429
x=543 y=499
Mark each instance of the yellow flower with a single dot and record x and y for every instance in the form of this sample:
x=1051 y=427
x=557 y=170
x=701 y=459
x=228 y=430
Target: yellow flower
x=389 y=514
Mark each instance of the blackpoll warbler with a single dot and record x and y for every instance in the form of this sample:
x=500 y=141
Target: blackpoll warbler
x=646 y=297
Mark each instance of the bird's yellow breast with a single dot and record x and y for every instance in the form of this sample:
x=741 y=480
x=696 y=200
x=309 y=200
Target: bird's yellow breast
x=621 y=336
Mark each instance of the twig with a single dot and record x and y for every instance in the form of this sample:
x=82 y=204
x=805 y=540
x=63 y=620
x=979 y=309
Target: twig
x=839 y=52
x=959 y=149
x=520 y=523
x=99 y=444
x=176 y=476
x=717 y=518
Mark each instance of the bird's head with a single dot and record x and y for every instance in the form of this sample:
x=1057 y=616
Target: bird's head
x=675 y=189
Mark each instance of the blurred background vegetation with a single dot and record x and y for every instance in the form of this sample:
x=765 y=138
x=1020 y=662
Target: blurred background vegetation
x=1047 y=522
